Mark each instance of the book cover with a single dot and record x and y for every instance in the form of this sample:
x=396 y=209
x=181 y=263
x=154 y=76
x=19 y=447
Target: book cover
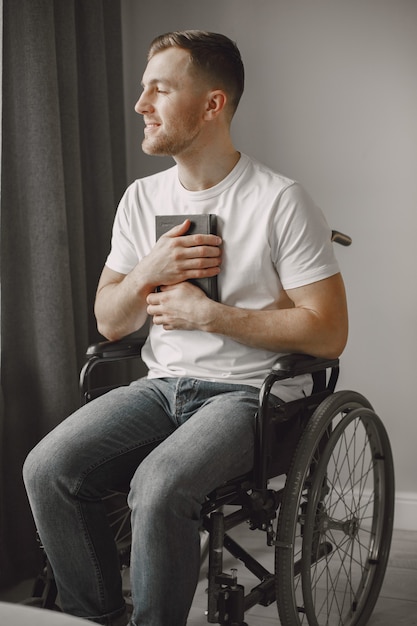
x=201 y=224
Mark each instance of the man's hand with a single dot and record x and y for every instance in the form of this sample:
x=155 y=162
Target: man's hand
x=121 y=305
x=180 y=307
x=177 y=257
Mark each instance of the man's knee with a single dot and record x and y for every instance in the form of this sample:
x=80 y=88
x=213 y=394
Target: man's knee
x=35 y=472
x=159 y=486
x=42 y=467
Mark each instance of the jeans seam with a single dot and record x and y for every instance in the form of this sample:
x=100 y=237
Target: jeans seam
x=179 y=402
x=93 y=555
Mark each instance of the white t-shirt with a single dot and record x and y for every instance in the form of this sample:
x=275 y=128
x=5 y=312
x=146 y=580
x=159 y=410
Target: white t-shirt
x=274 y=238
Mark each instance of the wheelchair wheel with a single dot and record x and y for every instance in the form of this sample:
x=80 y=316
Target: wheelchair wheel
x=118 y=515
x=336 y=517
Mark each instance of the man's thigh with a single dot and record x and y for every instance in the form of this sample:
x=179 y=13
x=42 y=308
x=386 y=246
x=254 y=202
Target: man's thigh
x=214 y=445
x=103 y=442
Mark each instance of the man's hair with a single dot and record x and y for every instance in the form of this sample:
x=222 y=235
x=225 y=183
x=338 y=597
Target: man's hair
x=213 y=54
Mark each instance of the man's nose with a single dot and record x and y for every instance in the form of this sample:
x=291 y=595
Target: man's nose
x=143 y=105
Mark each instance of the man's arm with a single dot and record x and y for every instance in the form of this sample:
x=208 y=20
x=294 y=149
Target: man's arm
x=121 y=306
x=314 y=320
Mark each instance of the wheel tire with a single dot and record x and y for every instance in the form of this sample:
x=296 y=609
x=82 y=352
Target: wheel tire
x=335 y=522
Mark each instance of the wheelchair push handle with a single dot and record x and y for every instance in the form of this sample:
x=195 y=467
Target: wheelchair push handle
x=338 y=237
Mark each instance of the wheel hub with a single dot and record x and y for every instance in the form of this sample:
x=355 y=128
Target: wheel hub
x=349 y=527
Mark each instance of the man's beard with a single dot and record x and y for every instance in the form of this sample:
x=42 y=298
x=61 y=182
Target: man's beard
x=166 y=146
x=171 y=144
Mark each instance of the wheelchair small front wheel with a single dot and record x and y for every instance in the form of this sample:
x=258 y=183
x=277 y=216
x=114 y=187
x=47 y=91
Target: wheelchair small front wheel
x=336 y=518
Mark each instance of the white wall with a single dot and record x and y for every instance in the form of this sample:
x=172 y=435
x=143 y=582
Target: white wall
x=331 y=100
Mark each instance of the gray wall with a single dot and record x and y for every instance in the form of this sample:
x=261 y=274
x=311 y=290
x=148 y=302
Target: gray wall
x=331 y=100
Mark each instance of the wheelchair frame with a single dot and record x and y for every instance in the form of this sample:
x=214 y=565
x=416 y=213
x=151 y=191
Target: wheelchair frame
x=316 y=426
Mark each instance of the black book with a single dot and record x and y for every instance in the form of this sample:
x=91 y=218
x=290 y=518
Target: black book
x=201 y=224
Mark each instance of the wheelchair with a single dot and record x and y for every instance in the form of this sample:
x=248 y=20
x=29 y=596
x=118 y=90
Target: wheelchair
x=329 y=524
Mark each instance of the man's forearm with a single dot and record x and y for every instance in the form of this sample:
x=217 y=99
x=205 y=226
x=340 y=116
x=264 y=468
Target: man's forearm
x=316 y=323
x=286 y=330
x=120 y=308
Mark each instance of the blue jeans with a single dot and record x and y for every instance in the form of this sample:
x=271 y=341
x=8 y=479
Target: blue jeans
x=174 y=440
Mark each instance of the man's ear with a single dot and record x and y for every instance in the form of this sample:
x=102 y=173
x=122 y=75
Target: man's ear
x=216 y=103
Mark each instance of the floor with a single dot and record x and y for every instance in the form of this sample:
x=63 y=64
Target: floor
x=396 y=606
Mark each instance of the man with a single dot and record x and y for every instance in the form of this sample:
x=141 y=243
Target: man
x=188 y=426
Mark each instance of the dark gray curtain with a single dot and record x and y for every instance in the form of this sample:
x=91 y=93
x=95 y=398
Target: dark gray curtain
x=63 y=172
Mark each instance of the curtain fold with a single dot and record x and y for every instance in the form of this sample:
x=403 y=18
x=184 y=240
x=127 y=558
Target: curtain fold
x=63 y=172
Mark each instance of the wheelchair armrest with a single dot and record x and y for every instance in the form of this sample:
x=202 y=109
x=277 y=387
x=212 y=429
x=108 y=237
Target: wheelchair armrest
x=115 y=350
x=105 y=352
x=291 y=365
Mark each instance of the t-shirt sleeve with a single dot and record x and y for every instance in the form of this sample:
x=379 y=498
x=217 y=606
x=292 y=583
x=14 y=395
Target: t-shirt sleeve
x=301 y=240
x=123 y=256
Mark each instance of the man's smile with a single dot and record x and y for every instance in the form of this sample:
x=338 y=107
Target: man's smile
x=149 y=126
